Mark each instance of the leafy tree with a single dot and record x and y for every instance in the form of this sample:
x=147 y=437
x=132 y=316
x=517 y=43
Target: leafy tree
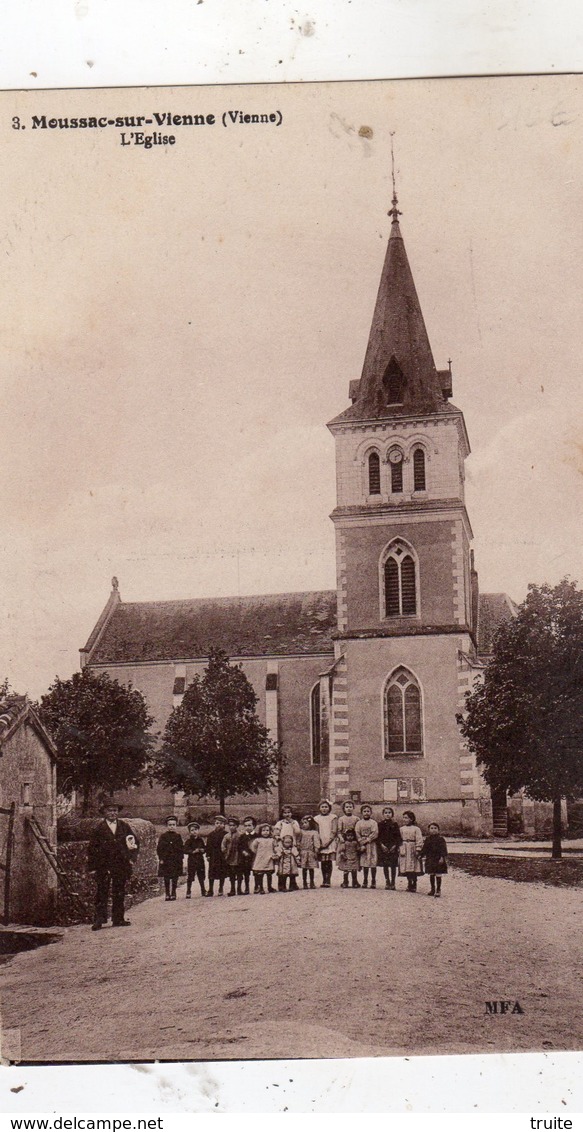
x=214 y=743
x=101 y=730
x=525 y=722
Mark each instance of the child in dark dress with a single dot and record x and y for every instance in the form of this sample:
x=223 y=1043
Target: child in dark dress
x=434 y=852
x=194 y=848
x=217 y=866
x=245 y=854
x=388 y=843
x=230 y=851
x=170 y=850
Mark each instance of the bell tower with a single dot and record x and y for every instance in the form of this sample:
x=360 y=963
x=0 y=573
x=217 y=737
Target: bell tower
x=407 y=592
x=403 y=533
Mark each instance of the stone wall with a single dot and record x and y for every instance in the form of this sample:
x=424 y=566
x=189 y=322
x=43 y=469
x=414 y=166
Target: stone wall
x=72 y=855
x=533 y=819
x=27 y=779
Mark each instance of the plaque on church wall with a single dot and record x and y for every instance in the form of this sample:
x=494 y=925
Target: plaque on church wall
x=292 y=388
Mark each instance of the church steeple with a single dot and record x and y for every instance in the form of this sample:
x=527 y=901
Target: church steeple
x=399 y=377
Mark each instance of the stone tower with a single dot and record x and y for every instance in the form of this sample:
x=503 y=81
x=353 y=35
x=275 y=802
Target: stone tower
x=407 y=593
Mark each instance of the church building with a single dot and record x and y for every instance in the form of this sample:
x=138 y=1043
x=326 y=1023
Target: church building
x=360 y=685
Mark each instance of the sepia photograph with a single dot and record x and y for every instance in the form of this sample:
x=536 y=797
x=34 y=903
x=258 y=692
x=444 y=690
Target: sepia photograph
x=292 y=568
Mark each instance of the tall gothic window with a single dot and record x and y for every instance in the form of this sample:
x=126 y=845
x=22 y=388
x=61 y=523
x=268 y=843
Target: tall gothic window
x=374 y=474
x=419 y=470
x=402 y=715
x=316 y=724
x=400 y=581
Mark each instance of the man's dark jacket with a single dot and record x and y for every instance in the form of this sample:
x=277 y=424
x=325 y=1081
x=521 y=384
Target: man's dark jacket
x=108 y=852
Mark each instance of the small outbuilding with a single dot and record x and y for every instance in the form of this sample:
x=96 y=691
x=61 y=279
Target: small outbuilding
x=28 y=790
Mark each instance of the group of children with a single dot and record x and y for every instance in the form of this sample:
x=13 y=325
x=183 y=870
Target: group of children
x=355 y=843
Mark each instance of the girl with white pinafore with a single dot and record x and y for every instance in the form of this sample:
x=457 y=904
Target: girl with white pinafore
x=410 y=851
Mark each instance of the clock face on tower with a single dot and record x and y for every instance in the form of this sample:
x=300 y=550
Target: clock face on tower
x=395 y=456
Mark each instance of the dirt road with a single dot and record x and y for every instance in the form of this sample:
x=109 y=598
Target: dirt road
x=309 y=974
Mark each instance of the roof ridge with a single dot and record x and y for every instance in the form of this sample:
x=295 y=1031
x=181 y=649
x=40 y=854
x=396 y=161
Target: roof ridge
x=227 y=597
x=294 y=623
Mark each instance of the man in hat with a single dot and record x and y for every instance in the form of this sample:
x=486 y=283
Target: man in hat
x=113 y=847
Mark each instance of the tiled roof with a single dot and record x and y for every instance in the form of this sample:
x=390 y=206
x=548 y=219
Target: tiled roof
x=493 y=610
x=264 y=625
x=16 y=710
x=11 y=709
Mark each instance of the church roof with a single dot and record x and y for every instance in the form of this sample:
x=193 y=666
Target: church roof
x=493 y=609
x=292 y=624
x=398 y=342
x=264 y=625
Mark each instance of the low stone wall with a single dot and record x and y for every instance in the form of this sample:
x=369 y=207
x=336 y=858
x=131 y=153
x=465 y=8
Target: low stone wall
x=204 y=812
x=469 y=818
x=533 y=819
x=72 y=855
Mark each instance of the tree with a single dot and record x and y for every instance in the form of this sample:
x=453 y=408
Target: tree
x=101 y=730
x=525 y=722
x=214 y=743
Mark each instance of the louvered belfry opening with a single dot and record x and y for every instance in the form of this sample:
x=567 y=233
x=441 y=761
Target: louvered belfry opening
x=400 y=584
x=408 y=602
x=403 y=727
x=419 y=470
x=397 y=475
x=392 y=594
x=374 y=474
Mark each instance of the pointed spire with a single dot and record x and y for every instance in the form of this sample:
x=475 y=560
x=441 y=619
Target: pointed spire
x=394 y=212
x=399 y=377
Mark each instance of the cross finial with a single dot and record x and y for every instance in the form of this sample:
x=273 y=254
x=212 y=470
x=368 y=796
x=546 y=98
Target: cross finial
x=394 y=212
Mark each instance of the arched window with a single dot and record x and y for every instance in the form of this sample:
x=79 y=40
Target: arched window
x=315 y=724
x=394 y=382
x=396 y=463
x=374 y=474
x=419 y=470
x=402 y=715
x=400 y=581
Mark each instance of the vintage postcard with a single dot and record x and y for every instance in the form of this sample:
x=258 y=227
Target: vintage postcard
x=292 y=407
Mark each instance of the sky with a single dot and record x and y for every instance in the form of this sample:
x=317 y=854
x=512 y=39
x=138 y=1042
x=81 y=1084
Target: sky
x=179 y=324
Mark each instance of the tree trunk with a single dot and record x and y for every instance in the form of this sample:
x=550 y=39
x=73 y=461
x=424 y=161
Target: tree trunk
x=557 y=852
x=222 y=802
x=86 y=797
